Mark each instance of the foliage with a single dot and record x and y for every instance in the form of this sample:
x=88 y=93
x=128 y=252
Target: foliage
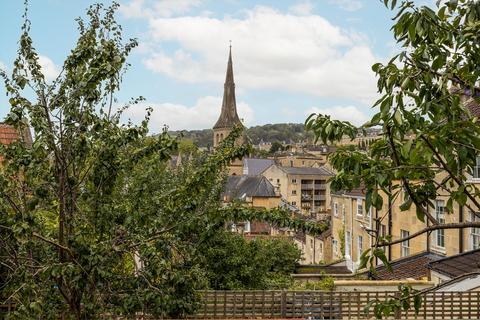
x=327 y=283
x=93 y=220
x=276 y=146
x=279 y=132
x=430 y=137
x=394 y=306
x=233 y=262
x=341 y=236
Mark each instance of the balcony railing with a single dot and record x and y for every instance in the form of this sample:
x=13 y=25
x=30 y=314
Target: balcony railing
x=311 y=186
x=319 y=197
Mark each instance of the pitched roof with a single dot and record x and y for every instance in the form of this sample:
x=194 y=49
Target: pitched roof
x=306 y=170
x=228 y=116
x=255 y=167
x=9 y=134
x=239 y=187
x=413 y=267
x=457 y=265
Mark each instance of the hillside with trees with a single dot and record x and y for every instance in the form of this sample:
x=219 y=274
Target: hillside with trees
x=279 y=132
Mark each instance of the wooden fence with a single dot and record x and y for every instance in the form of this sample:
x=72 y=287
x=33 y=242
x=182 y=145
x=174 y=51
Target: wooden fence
x=329 y=305
x=321 y=305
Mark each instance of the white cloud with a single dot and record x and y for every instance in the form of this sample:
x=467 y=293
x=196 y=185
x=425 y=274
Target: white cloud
x=344 y=113
x=302 y=8
x=203 y=114
x=49 y=68
x=273 y=50
x=162 y=8
x=349 y=5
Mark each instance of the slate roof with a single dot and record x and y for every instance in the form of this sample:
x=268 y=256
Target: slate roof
x=413 y=267
x=238 y=187
x=9 y=134
x=256 y=166
x=306 y=170
x=457 y=265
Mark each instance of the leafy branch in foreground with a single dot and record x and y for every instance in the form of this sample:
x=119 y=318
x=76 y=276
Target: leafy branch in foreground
x=431 y=136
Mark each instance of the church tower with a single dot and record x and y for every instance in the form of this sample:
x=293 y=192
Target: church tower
x=228 y=117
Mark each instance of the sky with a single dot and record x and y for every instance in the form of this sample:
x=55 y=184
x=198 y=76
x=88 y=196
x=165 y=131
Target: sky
x=290 y=58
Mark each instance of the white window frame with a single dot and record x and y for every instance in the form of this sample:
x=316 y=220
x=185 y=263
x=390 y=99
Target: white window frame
x=359 y=246
x=360 y=205
x=348 y=243
x=335 y=246
x=474 y=232
x=440 y=216
x=335 y=209
x=405 y=245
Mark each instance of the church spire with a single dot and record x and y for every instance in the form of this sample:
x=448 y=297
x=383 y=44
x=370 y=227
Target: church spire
x=228 y=116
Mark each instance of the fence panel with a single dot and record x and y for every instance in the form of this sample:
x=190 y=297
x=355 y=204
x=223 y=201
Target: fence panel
x=330 y=305
x=319 y=305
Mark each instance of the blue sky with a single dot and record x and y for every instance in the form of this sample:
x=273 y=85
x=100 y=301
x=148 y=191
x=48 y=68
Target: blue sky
x=290 y=58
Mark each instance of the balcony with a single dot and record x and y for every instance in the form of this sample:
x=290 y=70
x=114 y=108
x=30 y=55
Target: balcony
x=307 y=186
x=319 y=197
x=306 y=197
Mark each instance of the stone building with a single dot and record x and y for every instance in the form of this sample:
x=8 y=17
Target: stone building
x=228 y=118
x=303 y=187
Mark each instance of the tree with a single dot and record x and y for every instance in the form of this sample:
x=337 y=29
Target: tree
x=430 y=136
x=276 y=146
x=233 y=262
x=92 y=220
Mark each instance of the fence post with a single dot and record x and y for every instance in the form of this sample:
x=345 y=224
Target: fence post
x=398 y=312
x=283 y=304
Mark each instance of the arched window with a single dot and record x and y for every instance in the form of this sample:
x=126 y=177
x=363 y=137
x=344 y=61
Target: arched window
x=216 y=139
x=221 y=136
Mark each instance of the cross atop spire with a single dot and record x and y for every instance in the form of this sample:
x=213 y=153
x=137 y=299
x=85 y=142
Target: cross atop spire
x=228 y=116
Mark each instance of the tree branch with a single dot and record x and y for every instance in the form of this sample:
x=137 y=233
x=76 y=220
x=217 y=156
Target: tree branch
x=460 y=225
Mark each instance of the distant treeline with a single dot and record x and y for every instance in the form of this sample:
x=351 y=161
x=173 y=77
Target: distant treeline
x=280 y=132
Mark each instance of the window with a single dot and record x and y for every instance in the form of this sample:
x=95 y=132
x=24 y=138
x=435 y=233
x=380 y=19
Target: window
x=278 y=180
x=311 y=244
x=294 y=203
x=360 y=246
x=405 y=247
x=335 y=246
x=440 y=216
x=476 y=169
x=474 y=232
x=294 y=181
x=369 y=212
x=348 y=242
x=335 y=209
x=343 y=212
x=294 y=192
x=359 y=207
x=320 y=248
x=291 y=163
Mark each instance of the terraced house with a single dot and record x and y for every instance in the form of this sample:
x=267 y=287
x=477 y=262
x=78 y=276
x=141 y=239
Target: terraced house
x=352 y=225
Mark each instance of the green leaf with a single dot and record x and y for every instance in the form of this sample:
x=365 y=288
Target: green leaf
x=417 y=303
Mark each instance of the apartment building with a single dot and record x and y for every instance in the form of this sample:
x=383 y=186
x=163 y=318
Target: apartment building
x=303 y=187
